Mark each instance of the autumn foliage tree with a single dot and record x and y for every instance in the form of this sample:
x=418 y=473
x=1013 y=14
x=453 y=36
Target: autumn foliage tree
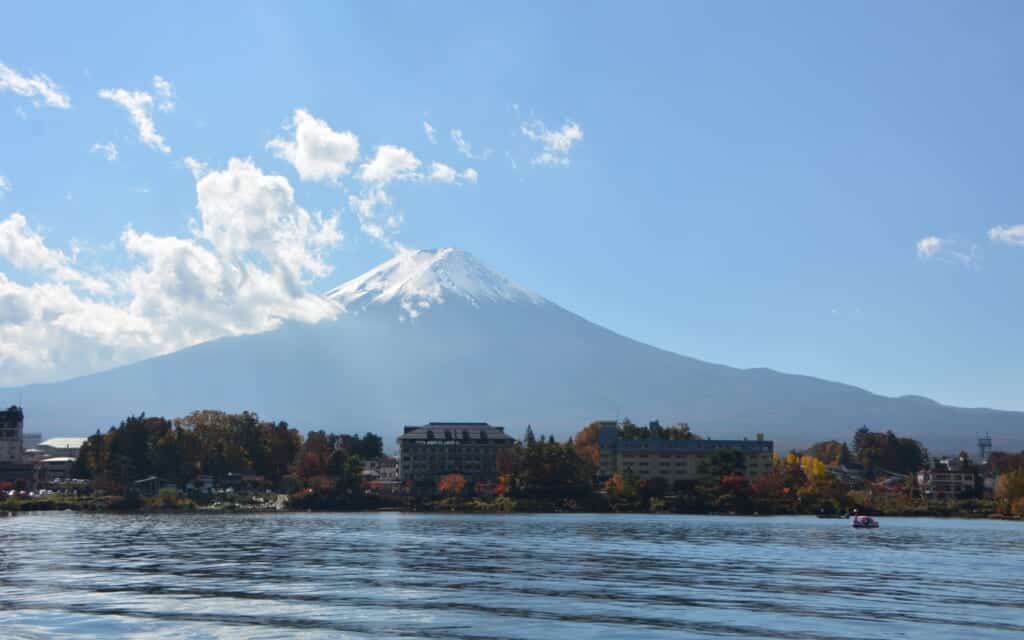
x=586 y=444
x=830 y=452
x=216 y=443
x=1009 y=491
x=621 y=486
x=453 y=484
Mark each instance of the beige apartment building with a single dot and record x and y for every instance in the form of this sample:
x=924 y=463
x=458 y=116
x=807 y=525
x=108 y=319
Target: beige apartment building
x=675 y=460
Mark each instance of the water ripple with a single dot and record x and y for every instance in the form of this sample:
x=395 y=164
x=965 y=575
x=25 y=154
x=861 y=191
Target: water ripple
x=524 y=576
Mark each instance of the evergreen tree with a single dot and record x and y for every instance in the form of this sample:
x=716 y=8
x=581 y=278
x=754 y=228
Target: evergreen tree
x=531 y=440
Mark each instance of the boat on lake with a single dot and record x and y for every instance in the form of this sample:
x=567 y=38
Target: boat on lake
x=864 y=522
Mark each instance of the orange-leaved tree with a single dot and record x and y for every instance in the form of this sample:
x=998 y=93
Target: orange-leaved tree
x=621 y=486
x=452 y=484
x=586 y=444
x=1010 y=491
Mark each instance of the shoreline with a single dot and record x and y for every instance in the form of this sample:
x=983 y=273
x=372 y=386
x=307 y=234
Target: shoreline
x=28 y=508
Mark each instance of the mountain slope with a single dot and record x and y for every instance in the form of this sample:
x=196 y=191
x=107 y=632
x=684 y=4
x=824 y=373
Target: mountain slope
x=435 y=335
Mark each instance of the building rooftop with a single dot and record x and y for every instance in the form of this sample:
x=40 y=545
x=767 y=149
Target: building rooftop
x=455 y=432
x=658 y=444
x=63 y=443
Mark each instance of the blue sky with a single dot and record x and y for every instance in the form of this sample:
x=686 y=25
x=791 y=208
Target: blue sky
x=832 y=191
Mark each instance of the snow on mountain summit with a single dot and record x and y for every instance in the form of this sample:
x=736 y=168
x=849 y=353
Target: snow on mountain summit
x=418 y=280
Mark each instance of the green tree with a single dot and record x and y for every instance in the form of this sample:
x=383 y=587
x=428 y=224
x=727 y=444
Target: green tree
x=371 y=446
x=723 y=462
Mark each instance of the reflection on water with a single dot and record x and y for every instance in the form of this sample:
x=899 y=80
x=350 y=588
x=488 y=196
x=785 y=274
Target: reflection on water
x=524 y=576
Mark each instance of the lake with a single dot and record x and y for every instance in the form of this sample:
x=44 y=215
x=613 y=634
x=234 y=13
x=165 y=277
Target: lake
x=396 y=575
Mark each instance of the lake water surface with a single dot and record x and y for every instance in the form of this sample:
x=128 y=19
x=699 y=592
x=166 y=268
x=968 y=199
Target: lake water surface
x=392 y=575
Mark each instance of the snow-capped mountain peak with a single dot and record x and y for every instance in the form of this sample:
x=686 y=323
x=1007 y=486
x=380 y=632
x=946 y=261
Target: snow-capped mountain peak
x=418 y=280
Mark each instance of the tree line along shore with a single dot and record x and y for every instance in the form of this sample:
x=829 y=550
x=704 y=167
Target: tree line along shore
x=216 y=461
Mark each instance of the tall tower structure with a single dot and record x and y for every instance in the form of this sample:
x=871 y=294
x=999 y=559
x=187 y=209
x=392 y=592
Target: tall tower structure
x=984 y=448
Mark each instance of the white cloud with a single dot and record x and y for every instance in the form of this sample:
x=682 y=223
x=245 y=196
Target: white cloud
x=165 y=92
x=139 y=105
x=245 y=211
x=366 y=207
x=109 y=150
x=394 y=164
x=48 y=331
x=197 y=168
x=430 y=131
x=318 y=152
x=947 y=250
x=928 y=246
x=440 y=172
x=390 y=163
x=1010 y=235
x=247 y=267
x=37 y=86
x=25 y=249
x=462 y=146
x=555 y=144
x=5 y=185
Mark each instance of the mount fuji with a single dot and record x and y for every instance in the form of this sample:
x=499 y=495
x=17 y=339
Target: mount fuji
x=436 y=335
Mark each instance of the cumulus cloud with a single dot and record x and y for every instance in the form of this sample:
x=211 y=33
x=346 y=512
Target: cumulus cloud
x=390 y=163
x=440 y=172
x=555 y=144
x=109 y=150
x=49 y=331
x=39 y=87
x=373 y=205
x=317 y=152
x=245 y=211
x=1009 y=235
x=165 y=94
x=5 y=185
x=25 y=249
x=139 y=105
x=246 y=267
x=320 y=153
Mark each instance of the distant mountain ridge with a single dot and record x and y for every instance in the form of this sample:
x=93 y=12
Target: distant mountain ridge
x=436 y=335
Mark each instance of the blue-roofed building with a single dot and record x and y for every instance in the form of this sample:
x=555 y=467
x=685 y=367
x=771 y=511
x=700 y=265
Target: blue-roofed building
x=674 y=460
